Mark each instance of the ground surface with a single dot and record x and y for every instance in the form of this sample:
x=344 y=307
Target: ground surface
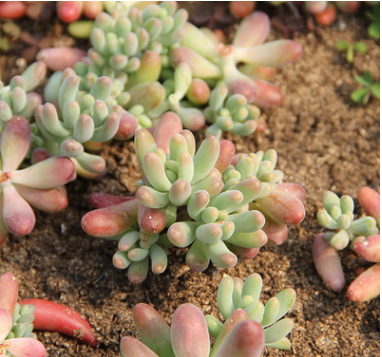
x=324 y=142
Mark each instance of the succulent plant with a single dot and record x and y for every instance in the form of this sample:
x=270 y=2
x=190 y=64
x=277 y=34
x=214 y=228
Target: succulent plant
x=217 y=63
x=241 y=335
x=203 y=202
x=119 y=42
x=17 y=98
x=22 y=320
x=16 y=337
x=230 y=113
x=236 y=295
x=80 y=119
x=338 y=215
x=361 y=234
x=40 y=185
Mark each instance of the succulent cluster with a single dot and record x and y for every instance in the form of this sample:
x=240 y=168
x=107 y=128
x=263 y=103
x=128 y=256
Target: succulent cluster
x=209 y=199
x=157 y=61
x=363 y=236
x=248 y=328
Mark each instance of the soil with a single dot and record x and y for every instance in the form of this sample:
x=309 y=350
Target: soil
x=324 y=142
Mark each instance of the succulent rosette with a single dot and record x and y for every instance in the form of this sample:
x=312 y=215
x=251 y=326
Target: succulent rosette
x=39 y=185
x=80 y=120
x=361 y=234
x=197 y=199
x=17 y=99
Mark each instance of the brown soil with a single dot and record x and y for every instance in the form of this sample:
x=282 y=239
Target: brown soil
x=324 y=142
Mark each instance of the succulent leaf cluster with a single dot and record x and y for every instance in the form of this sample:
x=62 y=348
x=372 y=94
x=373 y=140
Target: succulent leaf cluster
x=248 y=327
x=338 y=215
x=77 y=120
x=234 y=295
x=230 y=113
x=17 y=98
x=208 y=199
x=22 y=320
x=361 y=234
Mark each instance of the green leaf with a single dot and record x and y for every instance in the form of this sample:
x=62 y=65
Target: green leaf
x=358 y=95
x=361 y=81
x=374 y=30
x=375 y=89
x=12 y=29
x=368 y=77
x=4 y=44
x=342 y=45
x=360 y=47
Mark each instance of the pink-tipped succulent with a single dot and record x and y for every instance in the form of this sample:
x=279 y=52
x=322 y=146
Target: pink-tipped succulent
x=196 y=199
x=362 y=235
x=16 y=337
x=242 y=334
x=211 y=60
x=39 y=185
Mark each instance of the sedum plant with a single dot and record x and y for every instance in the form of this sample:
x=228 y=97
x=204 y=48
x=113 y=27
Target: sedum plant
x=77 y=122
x=361 y=234
x=17 y=98
x=40 y=185
x=241 y=335
x=236 y=295
x=196 y=198
x=218 y=63
x=230 y=113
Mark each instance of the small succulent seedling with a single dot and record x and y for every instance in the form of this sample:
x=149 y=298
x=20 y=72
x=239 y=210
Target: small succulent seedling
x=343 y=45
x=362 y=95
x=361 y=234
x=242 y=334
